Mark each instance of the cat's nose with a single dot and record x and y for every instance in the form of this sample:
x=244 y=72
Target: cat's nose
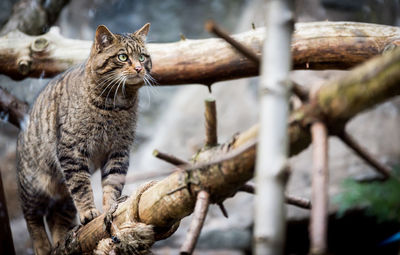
x=138 y=69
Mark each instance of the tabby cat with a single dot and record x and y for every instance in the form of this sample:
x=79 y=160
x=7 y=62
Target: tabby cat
x=83 y=120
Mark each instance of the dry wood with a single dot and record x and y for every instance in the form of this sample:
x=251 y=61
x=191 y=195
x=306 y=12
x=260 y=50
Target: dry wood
x=364 y=154
x=316 y=45
x=169 y=158
x=174 y=197
x=199 y=215
x=210 y=115
x=320 y=196
x=291 y=200
x=273 y=140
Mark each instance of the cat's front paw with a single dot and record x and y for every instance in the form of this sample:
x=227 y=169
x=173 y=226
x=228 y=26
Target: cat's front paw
x=88 y=215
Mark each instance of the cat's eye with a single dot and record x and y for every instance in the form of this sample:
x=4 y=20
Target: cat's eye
x=141 y=58
x=122 y=57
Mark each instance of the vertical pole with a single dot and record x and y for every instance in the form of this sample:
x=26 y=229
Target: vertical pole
x=6 y=245
x=272 y=150
x=320 y=197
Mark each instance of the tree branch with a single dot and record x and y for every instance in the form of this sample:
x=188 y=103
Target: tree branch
x=317 y=45
x=199 y=215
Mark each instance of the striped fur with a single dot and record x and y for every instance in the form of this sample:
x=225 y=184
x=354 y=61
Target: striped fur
x=83 y=120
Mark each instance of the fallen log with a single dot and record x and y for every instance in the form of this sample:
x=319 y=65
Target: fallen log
x=222 y=170
x=316 y=45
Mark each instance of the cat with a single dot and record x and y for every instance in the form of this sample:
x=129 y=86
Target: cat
x=83 y=120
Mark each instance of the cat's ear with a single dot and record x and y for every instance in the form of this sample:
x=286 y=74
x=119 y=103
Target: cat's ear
x=104 y=37
x=142 y=33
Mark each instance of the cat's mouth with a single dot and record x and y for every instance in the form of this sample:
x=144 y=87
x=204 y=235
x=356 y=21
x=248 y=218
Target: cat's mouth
x=134 y=79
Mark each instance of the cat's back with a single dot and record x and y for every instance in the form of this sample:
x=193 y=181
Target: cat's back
x=39 y=134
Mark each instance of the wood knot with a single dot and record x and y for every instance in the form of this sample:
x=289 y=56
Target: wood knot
x=40 y=44
x=24 y=65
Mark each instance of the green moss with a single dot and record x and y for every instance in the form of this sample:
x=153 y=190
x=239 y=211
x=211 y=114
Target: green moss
x=380 y=199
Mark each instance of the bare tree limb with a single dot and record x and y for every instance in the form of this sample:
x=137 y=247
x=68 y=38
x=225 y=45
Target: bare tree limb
x=365 y=155
x=199 y=215
x=316 y=45
x=320 y=197
x=169 y=158
x=291 y=200
x=33 y=17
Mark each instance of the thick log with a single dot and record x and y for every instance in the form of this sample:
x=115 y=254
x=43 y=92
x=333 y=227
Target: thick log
x=230 y=165
x=316 y=45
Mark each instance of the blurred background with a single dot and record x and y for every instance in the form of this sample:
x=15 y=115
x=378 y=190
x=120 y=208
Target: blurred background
x=171 y=120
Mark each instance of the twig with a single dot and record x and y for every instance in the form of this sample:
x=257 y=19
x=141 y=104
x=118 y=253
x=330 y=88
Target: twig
x=169 y=158
x=210 y=115
x=211 y=27
x=364 y=154
x=320 y=198
x=301 y=92
x=223 y=210
x=291 y=200
x=199 y=215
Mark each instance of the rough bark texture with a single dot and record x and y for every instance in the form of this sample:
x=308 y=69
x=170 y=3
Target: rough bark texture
x=316 y=45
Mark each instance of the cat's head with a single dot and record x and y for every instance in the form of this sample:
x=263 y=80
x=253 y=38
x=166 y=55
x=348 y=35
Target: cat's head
x=120 y=58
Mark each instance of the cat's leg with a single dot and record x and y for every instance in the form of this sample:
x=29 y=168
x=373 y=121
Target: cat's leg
x=75 y=166
x=113 y=177
x=37 y=231
x=61 y=219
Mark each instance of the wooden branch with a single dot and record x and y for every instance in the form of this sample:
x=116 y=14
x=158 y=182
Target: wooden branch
x=199 y=215
x=320 y=196
x=213 y=28
x=210 y=115
x=273 y=140
x=291 y=200
x=33 y=17
x=169 y=158
x=316 y=45
x=12 y=108
x=365 y=155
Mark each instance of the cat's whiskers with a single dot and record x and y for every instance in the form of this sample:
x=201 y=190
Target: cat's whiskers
x=115 y=83
x=119 y=84
x=108 y=78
